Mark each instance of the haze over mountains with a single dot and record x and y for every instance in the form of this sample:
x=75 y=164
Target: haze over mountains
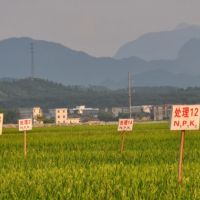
x=159 y=45
x=58 y=63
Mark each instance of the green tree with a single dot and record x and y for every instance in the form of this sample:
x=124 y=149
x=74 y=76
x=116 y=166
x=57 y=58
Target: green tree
x=106 y=116
x=40 y=118
x=76 y=111
x=49 y=121
x=122 y=116
x=12 y=115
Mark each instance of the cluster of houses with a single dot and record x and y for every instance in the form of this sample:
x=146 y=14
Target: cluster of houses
x=83 y=114
x=60 y=115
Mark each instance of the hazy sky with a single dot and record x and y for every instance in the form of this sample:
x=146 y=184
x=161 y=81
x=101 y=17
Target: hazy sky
x=97 y=27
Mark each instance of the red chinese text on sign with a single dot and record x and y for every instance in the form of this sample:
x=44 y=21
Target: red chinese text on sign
x=125 y=125
x=185 y=117
x=25 y=124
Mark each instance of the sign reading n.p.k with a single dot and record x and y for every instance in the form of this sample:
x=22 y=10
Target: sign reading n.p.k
x=185 y=117
x=125 y=125
x=25 y=124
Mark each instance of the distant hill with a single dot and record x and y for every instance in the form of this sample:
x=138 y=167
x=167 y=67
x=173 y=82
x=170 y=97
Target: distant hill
x=159 y=45
x=63 y=65
x=185 y=25
x=157 y=77
x=58 y=63
x=148 y=89
x=46 y=94
x=160 y=77
x=189 y=56
x=8 y=79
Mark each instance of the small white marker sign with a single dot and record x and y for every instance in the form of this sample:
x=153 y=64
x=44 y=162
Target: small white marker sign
x=125 y=125
x=184 y=117
x=25 y=124
x=1 y=123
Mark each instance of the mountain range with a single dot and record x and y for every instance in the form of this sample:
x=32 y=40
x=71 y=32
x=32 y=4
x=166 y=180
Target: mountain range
x=60 y=64
x=159 y=45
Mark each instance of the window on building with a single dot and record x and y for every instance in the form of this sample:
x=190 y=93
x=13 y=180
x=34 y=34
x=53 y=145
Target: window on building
x=63 y=121
x=63 y=116
x=58 y=121
x=58 y=111
x=63 y=111
x=58 y=116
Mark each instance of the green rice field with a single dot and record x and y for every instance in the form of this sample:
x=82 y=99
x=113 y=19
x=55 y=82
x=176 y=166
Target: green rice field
x=84 y=162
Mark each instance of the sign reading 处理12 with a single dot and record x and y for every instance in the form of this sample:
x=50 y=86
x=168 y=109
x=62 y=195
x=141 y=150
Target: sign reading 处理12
x=125 y=125
x=185 y=117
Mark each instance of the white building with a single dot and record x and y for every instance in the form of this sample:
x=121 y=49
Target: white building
x=27 y=113
x=116 y=111
x=85 y=111
x=126 y=110
x=73 y=120
x=79 y=108
x=147 y=108
x=60 y=115
x=91 y=111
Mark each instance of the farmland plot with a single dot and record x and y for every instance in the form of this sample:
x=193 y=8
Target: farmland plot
x=84 y=162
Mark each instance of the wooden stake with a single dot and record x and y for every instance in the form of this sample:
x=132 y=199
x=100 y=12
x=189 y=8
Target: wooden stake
x=24 y=142
x=122 y=142
x=181 y=157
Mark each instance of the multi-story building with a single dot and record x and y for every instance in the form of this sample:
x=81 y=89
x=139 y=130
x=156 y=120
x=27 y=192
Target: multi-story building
x=85 y=111
x=146 y=108
x=79 y=108
x=160 y=112
x=116 y=111
x=60 y=115
x=105 y=109
x=126 y=110
x=91 y=111
x=27 y=113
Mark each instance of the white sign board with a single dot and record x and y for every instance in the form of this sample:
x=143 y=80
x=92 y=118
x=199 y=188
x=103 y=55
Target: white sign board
x=125 y=125
x=184 y=117
x=25 y=124
x=1 y=123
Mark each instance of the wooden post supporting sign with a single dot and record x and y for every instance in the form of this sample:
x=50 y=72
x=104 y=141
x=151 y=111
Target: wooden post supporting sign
x=184 y=117
x=181 y=157
x=24 y=142
x=123 y=136
x=124 y=125
x=24 y=125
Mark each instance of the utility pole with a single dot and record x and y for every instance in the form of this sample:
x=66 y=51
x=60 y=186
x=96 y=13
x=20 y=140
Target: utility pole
x=32 y=63
x=129 y=81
